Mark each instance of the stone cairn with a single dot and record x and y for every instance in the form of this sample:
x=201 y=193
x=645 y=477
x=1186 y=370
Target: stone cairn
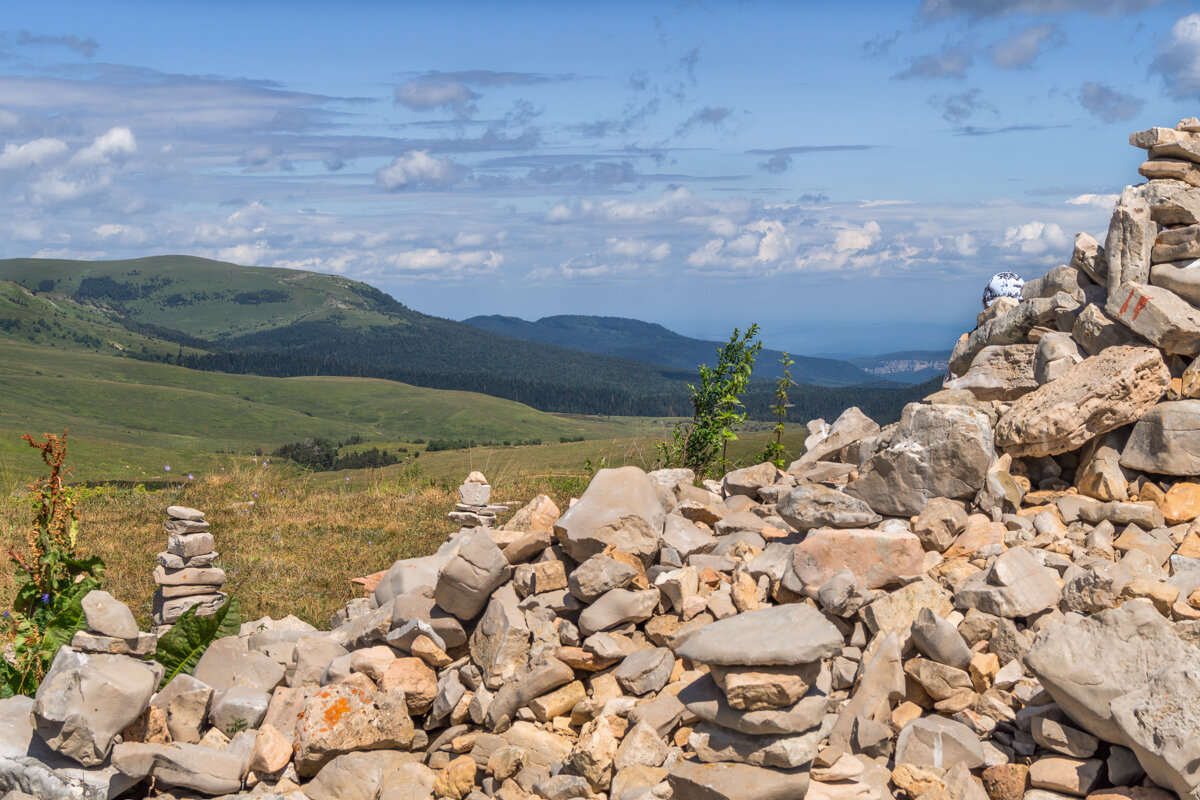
x=185 y=575
x=473 y=510
x=995 y=598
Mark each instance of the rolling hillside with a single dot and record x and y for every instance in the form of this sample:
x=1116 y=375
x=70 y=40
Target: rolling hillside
x=654 y=344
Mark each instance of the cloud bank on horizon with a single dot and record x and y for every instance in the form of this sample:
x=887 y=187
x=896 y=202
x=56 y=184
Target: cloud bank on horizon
x=699 y=165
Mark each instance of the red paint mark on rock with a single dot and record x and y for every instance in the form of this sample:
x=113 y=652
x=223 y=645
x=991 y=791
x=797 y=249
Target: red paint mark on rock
x=1141 y=303
x=1127 y=299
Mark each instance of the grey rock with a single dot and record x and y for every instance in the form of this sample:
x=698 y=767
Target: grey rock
x=935 y=451
x=748 y=480
x=536 y=681
x=601 y=573
x=1176 y=244
x=86 y=699
x=467 y=579
x=239 y=708
x=619 y=507
x=753 y=638
x=187 y=702
x=999 y=372
x=1158 y=315
x=143 y=644
x=843 y=595
x=189 y=545
x=1089 y=256
x=168 y=610
x=714 y=743
x=939 y=640
x=500 y=642
x=645 y=671
x=1016 y=585
x=28 y=765
x=370 y=775
x=618 y=606
x=1166 y=440
x=850 y=427
x=690 y=780
x=1055 y=354
x=1085 y=663
x=1131 y=234
x=1095 y=331
x=184 y=512
x=685 y=537
x=1160 y=719
x=475 y=494
x=705 y=699
x=1182 y=278
x=939 y=742
x=186 y=766
x=314 y=654
x=108 y=616
x=811 y=505
x=230 y=661
x=408 y=607
x=1171 y=202
x=1012 y=327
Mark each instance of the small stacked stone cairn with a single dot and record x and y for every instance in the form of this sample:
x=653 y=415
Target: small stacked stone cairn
x=474 y=511
x=185 y=575
x=111 y=628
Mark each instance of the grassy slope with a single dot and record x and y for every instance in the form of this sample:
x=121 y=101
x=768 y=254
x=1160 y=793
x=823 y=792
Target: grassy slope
x=124 y=411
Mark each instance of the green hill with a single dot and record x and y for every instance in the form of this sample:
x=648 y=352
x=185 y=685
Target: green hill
x=654 y=344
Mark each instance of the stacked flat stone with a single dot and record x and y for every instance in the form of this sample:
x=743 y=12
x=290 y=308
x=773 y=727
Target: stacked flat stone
x=185 y=575
x=111 y=628
x=472 y=510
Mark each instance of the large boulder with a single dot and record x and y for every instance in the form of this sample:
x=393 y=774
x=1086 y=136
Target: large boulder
x=1097 y=395
x=1086 y=663
x=1158 y=315
x=934 y=451
x=187 y=766
x=341 y=719
x=811 y=505
x=468 y=579
x=753 y=638
x=1130 y=238
x=850 y=427
x=1016 y=585
x=999 y=372
x=86 y=699
x=1166 y=440
x=876 y=558
x=619 y=507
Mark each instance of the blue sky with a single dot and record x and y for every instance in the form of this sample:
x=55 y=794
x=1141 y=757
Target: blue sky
x=847 y=175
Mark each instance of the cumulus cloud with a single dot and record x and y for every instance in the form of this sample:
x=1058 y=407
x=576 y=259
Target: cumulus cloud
x=116 y=145
x=951 y=62
x=638 y=248
x=32 y=154
x=1019 y=50
x=1107 y=104
x=433 y=263
x=1101 y=200
x=1036 y=238
x=417 y=168
x=981 y=9
x=1178 y=59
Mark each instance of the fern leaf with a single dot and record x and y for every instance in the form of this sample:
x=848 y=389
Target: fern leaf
x=180 y=649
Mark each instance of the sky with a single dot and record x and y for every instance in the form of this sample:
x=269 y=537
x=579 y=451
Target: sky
x=846 y=175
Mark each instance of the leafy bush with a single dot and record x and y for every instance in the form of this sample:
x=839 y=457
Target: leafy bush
x=52 y=578
x=774 y=451
x=179 y=649
x=716 y=405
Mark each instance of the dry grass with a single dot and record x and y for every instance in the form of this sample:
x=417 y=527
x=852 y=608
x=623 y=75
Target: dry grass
x=295 y=552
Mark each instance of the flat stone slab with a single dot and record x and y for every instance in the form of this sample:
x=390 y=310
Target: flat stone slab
x=790 y=634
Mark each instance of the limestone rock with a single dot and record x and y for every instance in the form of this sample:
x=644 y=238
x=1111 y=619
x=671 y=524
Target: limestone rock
x=877 y=558
x=342 y=719
x=752 y=639
x=1158 y=315
x=999 y=372
x=1131 y=234
x=1176 y=244
x=108 y=616
x=1166 y=440
x=619 y=507
x=86 y=699
x=1098 y=395
x=811 y=505
x=467 y=579
x=690 y=780
x=934 y=451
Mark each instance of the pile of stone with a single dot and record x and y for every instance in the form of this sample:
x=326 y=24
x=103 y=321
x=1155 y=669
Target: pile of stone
x=109 y=627
x=473 y=509
x=995 y=598
x=185 y=575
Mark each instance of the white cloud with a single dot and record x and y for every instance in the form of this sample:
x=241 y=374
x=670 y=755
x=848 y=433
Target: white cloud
x=124 y=234
x=115 y=145
x=251 y=254
x=417 y=168
x=1037 y=238
x=1101 y=200
x=559 y=213
x=32 y=154
x=1178 y=60
x=1021 y=48
x=433 y=263
x=638 y=248
x=423 y=94
x=853 y=239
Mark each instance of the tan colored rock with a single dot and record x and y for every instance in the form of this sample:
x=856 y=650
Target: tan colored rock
x=372 y=661
x=1071 y=776
x=415 y=678
x=1181 y=503
x=1171 y=169
x=559 y=702
x=1100 y=394
x=916 y=781
x=539 y=514
x=341 y=719
x=1006 y=781
x=1159 y=315
x=1177 y=244
x=877 y=558
x=272 y=750
x=425 y=649
x=983 y=669
x=1162 y=594
x=758 y=688
x=593 y=755
x=999 y=372
x=457 y=780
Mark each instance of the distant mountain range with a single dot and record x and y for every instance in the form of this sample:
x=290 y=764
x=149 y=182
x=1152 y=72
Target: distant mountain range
x=211 y=315
x=909 y=366
x=654 y=344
